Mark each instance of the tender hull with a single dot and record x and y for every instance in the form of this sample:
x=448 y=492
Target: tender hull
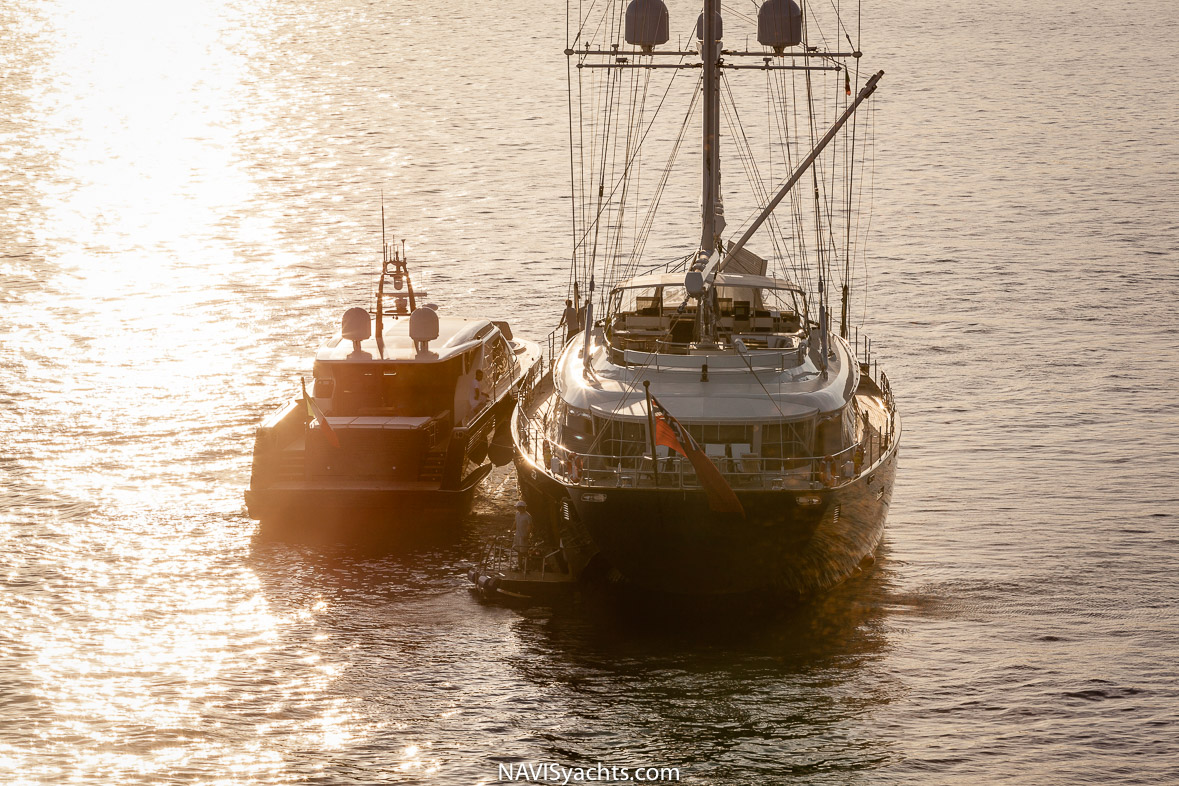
x=670 y=542
x=377 y=481
x=352 y=510
x=516 y=585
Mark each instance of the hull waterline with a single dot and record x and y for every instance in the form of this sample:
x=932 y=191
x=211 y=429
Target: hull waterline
x=351 y=510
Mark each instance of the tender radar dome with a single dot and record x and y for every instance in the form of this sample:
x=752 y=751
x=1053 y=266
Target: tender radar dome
x=646 y=24
x=423 y=326
x=779 y=24
x=356 y=326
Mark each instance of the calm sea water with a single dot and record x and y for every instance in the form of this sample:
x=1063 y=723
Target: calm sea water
x=191 y=199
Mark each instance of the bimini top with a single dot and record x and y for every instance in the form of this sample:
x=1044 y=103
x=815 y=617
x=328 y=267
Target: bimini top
x=455 y=335
x=743 y=280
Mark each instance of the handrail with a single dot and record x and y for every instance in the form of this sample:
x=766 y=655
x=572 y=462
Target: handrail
x=676 y=472
x=527 y=383
x=554 y=347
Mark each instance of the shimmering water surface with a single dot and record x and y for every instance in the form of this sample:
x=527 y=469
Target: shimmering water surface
x=190 y=199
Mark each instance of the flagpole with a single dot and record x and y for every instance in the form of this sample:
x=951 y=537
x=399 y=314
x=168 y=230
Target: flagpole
x=651 y=430
x=316 y=414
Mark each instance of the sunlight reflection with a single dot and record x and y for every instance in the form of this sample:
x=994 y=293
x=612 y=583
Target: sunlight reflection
x=154 y=666
x=151 y=638
x=141 y=122
x=413 y=761
x=139 y=111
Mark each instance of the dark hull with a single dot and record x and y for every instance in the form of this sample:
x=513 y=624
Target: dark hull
x=668 y=541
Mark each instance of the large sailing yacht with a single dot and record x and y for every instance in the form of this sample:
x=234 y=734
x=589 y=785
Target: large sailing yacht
x=710 y=431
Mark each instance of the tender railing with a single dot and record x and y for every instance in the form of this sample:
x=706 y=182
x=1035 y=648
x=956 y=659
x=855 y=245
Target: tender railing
x=501 y=558
x=548 y=351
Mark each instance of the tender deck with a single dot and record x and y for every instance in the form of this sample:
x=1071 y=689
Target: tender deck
x=392 y=430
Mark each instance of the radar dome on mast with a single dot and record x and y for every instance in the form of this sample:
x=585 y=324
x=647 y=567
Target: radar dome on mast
x=718 y=24
x=779 y=24
x=646 y=24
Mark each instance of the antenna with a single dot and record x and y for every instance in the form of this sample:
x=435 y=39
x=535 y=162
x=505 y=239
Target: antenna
x=381 y=284
x=408 y=282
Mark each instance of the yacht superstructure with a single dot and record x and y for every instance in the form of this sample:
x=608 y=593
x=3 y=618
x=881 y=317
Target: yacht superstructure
x=710 y=432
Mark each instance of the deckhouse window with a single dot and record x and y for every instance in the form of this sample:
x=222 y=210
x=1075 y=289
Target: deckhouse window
x=576 y=428
x=648 y=306
x=786 y=440
x=624 y=438
x=831 y=433
x=719 y=433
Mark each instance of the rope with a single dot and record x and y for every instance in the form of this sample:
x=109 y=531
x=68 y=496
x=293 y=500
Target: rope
x=646 y=133
x=649 y=219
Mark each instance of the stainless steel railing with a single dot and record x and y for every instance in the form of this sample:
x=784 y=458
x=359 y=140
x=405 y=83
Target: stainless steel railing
x=677 y=472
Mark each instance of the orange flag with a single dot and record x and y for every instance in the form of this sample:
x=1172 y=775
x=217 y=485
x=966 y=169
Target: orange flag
x=669 y=432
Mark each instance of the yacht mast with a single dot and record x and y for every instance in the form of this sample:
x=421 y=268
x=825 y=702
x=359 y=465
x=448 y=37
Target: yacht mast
x=710 y=54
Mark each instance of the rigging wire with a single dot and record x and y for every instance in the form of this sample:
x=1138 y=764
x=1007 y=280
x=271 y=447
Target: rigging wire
x=870 y=166
x=613 y=249
x=850 y=164
x=749 y=163
x=824 y=277
x=609 y=220
x=572 y=175
x=661 y=185
x=802 y=268
x=609 y=98
x=597 y=217
x=775 y=97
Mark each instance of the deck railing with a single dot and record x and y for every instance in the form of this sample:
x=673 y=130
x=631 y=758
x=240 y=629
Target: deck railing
x=676 y=472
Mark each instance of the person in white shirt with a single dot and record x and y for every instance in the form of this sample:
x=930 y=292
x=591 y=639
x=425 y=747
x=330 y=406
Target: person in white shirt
x=523 y=530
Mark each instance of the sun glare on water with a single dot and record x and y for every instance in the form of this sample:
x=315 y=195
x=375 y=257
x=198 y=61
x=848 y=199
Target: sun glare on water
x=153 y=640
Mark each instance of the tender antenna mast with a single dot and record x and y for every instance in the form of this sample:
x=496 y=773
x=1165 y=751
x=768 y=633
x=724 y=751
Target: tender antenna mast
x=381 y=284
x=394 y=265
